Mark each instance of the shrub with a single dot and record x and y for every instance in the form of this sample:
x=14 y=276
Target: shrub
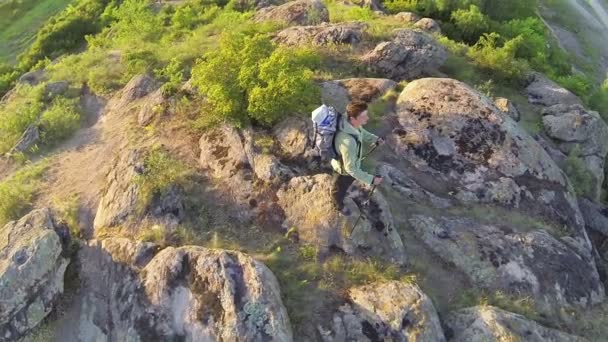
x=577 y=172
x=470 y=23
x=500 y=60
x=18 y=191
x=16 y=115
x=60 y=121
x=271 y=81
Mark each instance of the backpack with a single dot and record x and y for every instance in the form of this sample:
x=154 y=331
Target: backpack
x=326 y=120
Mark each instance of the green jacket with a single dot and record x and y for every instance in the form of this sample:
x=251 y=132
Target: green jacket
x=351 y=150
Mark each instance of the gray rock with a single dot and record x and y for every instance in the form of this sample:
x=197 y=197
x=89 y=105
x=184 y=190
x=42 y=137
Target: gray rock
x=292 y=135
x=308 y=207
x=571 y=126
x=543 y=91
x=28 y=139
x=53 y=89
x=153 y=106
x=339 y=93
x=488 y=323
x=299 y=12
x=348 y=33
x=507 y=107
x=410 y=54
x=266 y=166
x=407 y=17
x=501 y=258
x=120 y=195
x=32 y=266
x=138 y=87
x=429 y=25
x=189 y=293
x=391 y=311
x=596 y=216
x=483 y=155
x=33 y=77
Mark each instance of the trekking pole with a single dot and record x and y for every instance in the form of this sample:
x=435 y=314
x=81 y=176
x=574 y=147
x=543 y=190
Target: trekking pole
x=369 y=198
x=376 y=144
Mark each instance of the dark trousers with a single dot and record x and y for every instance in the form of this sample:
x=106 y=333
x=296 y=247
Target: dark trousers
x=341 y=185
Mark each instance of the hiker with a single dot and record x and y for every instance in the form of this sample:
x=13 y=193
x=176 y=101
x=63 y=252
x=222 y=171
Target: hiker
x=350 y=141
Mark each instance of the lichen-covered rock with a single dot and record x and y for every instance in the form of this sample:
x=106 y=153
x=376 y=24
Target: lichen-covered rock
x=407 y=17
x=429 y=25
x=308 y=207
x=339 y=93
x=410 y=54
x=572 y=127
x=343 y=33
x=153 y=106
x=448 y=130
x=292 y=135
x=488 y=323
x=498 y=257
x=299 y=12
x=392 y=311
x=543 y=91
x=138 y=87
x=187 y=293
x=32 y=265
x=507 y=107
x=27 y=140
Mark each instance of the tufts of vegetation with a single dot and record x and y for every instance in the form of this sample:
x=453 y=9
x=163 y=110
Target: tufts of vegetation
x=19 y=190
x=577 y=172
x=270 y=81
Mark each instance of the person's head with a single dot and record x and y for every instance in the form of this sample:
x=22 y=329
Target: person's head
x=357 y=113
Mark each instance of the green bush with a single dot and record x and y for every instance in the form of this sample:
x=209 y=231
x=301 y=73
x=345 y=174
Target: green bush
x=16 y=115
x=60 y=121
x=500 y=60
x=578 y=174
x=18 y=191
x=270 y=82
x=470 y=23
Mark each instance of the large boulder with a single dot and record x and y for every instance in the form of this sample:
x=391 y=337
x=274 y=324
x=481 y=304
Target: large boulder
x=299 y=12
x=498 y=257
x=409 y=55
x=28 y=139
x=138 y=87
x=407 y=17
x=32 y=265
x=596 y=216
x=392 y=311
x=488 y=323
x=308 y=207
x=450 y=131
x=544 y=92
x=343 y=33
x=187 y=293
x=572 y=127
x=339 y=93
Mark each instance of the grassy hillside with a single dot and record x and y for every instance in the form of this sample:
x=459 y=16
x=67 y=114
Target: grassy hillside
x=19 y=22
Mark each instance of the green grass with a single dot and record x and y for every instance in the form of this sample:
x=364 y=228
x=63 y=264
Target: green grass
x=19 y=190
x=19 y=22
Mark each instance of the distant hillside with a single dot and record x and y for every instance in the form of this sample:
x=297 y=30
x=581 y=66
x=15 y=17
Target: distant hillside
x=19 y=22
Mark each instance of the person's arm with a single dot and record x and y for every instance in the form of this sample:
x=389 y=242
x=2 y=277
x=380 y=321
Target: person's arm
x=368 y=137
x=348 y=150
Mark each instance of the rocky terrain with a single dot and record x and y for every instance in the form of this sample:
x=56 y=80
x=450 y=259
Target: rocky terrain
x=476 y=234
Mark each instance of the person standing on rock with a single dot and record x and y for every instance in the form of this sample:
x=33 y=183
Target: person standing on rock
x=350 y=141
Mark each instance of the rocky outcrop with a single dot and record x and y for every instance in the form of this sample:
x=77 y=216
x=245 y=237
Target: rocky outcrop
x=308 y=207
x=391 y=311
x=447 y=129
x=572 y=127
x=343 y=33
x=543 y=91
x=33 y=77
x=299 y=12
x=187 y=293
x=507 y=107
x=121 y=192
x=151 y=108
x=409 y=55
x=32 y=265
x=28 y=139
x=138 y=87
x=596 y=216
x=428 y=25
x=339 y=93
x=488 y=323
x=500 y=257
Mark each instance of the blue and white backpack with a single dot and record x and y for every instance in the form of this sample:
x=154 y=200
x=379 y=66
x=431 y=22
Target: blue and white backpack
x=326 y=120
